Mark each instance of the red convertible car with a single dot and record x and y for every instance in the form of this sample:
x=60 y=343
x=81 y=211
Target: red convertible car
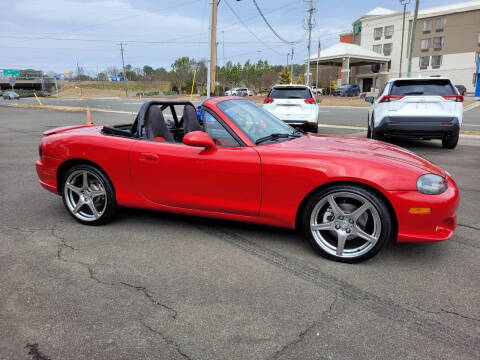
x=349 y=195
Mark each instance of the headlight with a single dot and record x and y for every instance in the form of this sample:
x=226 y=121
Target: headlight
x=431 y=184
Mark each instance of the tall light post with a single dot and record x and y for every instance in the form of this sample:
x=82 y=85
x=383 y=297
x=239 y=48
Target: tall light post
x=404 y=3
x=412 y=38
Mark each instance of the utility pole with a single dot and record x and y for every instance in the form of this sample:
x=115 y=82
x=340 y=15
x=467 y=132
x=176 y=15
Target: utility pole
x=309 y=24
x=412 y=38
x=79 y=80
x=404 y=3
x=212 y=48
x=124 y=72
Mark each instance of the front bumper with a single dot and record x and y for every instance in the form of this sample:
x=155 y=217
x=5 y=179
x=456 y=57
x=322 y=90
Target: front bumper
x=438 y=225
x=418 y=127
x=47 y=173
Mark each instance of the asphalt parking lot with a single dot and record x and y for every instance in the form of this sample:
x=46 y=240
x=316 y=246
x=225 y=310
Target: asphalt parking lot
x=159 y=286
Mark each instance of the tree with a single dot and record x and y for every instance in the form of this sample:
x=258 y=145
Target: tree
x=160 y=74
x=113 y=71
x=148 y=71
x=201 y=76
x=285 y=76
x=181 y=72
x=300 y=79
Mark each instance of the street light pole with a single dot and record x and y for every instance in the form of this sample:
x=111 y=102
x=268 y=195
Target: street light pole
x=310 y=23
x=404 y=3
x=412 y=38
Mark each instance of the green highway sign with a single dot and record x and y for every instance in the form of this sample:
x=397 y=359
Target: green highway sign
x=8 y=72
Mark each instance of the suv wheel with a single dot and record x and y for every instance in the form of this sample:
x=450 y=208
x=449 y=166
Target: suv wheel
x=450 y=141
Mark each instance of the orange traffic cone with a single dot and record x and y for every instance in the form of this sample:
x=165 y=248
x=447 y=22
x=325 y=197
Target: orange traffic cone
x=89 y=117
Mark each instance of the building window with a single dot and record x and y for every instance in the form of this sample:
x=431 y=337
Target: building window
x=424 y=62
x=425 y=45
x=427 y=26
x=387 y=49
x=377 y=48
x=436 y=61
x=388 y=31
x=377 y=33
x=437 y=43
x=440 y=24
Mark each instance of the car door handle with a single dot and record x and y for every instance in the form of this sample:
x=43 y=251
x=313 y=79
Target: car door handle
x=148 y=157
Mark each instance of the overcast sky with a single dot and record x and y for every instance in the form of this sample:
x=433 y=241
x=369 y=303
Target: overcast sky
x=46 y=34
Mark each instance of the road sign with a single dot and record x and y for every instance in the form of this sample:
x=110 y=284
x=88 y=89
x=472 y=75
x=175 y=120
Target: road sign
x=9 y=72
x=12 y=82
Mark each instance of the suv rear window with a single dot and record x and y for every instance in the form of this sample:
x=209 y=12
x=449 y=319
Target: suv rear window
x=290 y=93
x=422 y=87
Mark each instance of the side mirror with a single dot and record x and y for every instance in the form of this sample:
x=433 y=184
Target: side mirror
x=370 y=99
x=199 y=139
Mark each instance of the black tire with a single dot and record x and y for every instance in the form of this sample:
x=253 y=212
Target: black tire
x=378 y=215
x=312 y=129
x=451 y=141
x=369 y=128
x=98 y=182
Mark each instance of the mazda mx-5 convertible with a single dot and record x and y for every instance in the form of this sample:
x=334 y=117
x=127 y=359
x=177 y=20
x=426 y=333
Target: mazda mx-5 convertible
x=349 y=195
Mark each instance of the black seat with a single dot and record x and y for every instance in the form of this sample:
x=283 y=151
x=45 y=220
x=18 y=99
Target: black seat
x=155 y=125
x=190 y=120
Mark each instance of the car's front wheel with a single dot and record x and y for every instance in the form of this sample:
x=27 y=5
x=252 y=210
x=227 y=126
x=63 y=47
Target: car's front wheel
x=347 y=223
x=88 y=195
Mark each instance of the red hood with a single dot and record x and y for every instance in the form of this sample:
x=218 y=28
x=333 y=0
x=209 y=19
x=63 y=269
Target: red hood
x=352 y=146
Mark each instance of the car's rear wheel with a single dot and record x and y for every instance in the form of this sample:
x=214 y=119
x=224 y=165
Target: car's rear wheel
x=347 y=223
x=88 y=195
x=451 y=141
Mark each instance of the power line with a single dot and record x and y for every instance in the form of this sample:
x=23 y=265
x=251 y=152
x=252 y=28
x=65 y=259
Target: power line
x=249 y=30
x=272 y=29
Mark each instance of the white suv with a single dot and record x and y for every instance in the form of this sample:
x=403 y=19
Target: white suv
x=424 y=108
x=293 y=104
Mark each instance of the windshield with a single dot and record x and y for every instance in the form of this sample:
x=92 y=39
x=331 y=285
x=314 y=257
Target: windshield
x=290 y=93
x=253 y=120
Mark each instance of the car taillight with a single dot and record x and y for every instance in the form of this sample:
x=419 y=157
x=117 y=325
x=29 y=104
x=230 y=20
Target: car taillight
x=267 y=100
x=456 y=98
x=310 y=101
x=389 y=98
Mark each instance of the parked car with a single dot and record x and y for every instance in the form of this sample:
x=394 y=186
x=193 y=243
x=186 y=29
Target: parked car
x=423 y=108
x=10 y=95
x=246 y=165
x=293 y=104
x=239 y=92
x=44 y=93
x=316 y=90
x=347 y=90
x=461 y=89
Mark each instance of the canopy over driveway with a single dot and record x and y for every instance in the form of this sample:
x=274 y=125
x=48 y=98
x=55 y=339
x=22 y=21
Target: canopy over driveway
x=348 y=55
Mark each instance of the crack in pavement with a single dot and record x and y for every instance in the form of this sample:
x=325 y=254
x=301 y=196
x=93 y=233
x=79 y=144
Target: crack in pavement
x=167 y=340
x=357 y=297
x=92 y=274
x=444 y=311
x=469 y=226
x=299 y=338
x=35 y=352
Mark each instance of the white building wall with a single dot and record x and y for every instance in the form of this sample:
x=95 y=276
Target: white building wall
x=460 y=68
x=368 y=40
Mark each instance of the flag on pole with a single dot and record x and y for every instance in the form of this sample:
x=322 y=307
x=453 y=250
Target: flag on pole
x=292 y=55
x=319 y=48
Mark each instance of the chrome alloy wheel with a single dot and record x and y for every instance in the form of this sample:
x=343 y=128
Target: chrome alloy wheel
x=85 y=195
x=345 y=224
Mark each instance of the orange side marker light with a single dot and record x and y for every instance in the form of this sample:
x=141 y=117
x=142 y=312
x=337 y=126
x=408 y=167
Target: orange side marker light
x=420 y=210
